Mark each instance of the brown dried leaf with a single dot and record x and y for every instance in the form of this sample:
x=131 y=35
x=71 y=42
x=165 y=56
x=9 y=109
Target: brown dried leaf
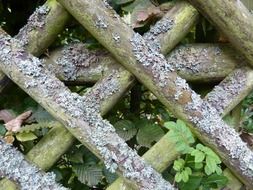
x=9 y=139
x=6 y=115
x=145 y=13
x=248 y=138
x=15 y=124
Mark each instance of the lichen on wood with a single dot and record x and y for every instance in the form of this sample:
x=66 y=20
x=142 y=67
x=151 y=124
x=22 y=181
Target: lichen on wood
x=14 y=166
x=81 y=119
x=165 y=90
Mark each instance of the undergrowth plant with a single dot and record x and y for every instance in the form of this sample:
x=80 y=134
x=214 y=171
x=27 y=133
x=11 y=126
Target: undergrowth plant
x=198 y=167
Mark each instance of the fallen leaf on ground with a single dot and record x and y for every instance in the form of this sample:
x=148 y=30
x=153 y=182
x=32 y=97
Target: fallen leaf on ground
x=14 y=125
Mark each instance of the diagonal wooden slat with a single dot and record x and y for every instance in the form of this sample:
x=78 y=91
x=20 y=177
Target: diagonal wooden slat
x=28 y=176
x=186 y=10
x=145 y=63
x=233 y=19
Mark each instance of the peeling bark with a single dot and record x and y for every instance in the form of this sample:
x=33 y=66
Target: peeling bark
x=81 y=119
x=151 y=68
x=14 y=166
x=233 y=19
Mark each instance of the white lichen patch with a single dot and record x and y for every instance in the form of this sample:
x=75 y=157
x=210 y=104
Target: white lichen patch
x=101 y=23
x=189 y=59
x=103 y=90
x=226 y=92
x=74 y=57
x=14 y=166
x=116 y=37
x=35 y=22
x=157 y=31
x=151 y=59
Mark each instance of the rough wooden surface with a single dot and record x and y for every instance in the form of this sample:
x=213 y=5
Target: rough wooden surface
x=79 y=117
x=75 y=64
x=233 y=19
x=14 y=166
x=149 y=66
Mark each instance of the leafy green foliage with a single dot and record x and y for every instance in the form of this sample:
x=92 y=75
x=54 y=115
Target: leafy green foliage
x=88 y=174
x=200 y=167
x=125 y=129
x=148 y=133
x=180 y=135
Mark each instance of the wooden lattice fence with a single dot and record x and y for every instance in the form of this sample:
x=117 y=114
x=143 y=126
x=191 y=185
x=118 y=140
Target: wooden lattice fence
x=129 y=56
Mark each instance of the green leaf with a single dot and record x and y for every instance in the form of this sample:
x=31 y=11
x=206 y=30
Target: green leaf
x=26 y=137
x=192 y=184
x=170 y=125
x=218 y=170
x=211 y=163
x=2 y=130
x=208 y=170
x=180 y=135
x=125 y=129
x=198 y=165
x=215 y=181
x=88 y=174
x=41 y=115
x=178 y=177
x=121 y=2
x=110 y=177
x=188 y=170
x=185 y=176
x=178 y=164
x=199 y=156
x=148 y=134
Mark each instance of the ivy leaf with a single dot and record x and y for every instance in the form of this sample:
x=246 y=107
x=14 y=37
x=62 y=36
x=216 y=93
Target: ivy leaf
x=88 y=174
x=22 y=137
x=125 y=129
x=148 y=134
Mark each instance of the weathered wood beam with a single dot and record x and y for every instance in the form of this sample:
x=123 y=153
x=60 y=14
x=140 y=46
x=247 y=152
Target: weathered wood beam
x=75 y=64
x=104 y=105
x=42 y=28
x=149 y=66
x=231 y=91
x=81 y=118
x=14 y=166
x=233 y=19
